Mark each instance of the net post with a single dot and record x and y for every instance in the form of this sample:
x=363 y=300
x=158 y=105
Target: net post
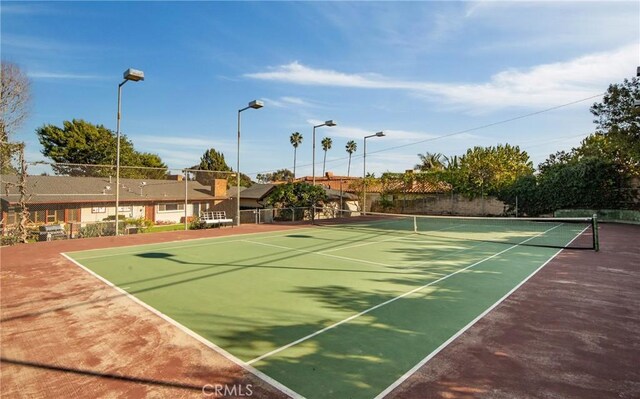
x=415 y=224
x=594 y=227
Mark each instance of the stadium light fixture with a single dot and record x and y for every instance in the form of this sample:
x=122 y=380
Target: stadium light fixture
x=133 y=75
x=255 y=104
x=364 y=171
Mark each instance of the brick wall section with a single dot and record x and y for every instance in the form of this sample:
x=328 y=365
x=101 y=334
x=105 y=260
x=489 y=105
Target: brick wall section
x=219 y=187
x=443 y=204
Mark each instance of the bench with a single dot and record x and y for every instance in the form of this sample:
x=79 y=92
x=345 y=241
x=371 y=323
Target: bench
x=215 y=218
x=51 y=232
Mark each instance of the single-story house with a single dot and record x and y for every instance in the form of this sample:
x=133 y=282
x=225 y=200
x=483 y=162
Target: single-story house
x=67 y=199
x=252 y=197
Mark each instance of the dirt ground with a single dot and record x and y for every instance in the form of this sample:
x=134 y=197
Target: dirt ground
x=570 y=332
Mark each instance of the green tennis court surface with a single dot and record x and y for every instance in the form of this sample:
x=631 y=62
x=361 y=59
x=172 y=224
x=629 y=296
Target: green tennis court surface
x=330 y=312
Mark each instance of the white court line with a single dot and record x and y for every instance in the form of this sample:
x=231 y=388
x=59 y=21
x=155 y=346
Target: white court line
x=415 y=368
x=193 y=334
x=409 y=234
x=273 y=352
x=304 y=251
x=213 y=241
x=141 y=251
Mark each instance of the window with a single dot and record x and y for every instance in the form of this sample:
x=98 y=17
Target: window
x=37 y=216
x=73 y=215
x=170 y=207
x=12 y=217
x=54 y=215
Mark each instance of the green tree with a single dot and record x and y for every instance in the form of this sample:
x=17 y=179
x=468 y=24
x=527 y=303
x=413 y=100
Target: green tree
x=616 y=147
x=559 y=158
x=296 y=195
x=587 y=183
x=597 y=173
x=277 y=176
x=618 y=113
x=351 y=147
x=326 y=146
x=295 y=140
x=214 y=166
x=80 y=146
x=617 y=120
x=431 y=161
x=487 y=170
x=156 y=169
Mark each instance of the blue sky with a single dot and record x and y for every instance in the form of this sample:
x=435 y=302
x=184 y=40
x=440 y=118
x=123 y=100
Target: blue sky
x=416 y=70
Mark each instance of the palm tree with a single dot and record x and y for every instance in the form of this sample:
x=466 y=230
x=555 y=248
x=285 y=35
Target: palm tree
x=451 y=162
x=326 y=145
x=351 y=147
x=296 y=140
x=431 y=161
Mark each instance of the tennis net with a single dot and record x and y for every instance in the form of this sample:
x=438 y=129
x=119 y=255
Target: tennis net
x=576 y=233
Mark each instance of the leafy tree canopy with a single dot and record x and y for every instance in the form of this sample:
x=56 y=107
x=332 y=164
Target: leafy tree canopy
x=617 y=120
x=596 y=174
x=277 y=176
x=294 y=195
x=83 y=143
x=617 y=112
x=617 y=138
x=486 y=170
x=589 y=183
x=214 y=162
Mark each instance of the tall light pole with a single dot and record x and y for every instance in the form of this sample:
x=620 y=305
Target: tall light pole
x=255 y=104
x=134 y=76
x=364 y=171
x=329 y=123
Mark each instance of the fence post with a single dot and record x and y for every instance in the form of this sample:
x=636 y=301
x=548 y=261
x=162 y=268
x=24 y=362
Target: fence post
x=186 y=201
x=594 y=226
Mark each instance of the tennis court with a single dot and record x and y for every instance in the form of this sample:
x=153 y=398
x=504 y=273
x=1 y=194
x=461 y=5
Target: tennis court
x=339 y=309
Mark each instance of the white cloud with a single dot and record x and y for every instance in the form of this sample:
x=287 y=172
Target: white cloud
x=23 y=9
x=539 y=86
x=58 y=75
x=286 y=102
x=301 y=74
x=32 y=43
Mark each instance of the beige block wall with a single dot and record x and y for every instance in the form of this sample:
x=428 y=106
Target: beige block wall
x=445 y=204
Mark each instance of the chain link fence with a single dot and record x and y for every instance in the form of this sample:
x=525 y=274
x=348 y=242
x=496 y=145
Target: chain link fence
x=81 y=201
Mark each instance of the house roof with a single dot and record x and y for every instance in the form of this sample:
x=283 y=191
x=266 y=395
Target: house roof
x=338 y=183
x=335 y=195
x=257 y=191
x=68 y=189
